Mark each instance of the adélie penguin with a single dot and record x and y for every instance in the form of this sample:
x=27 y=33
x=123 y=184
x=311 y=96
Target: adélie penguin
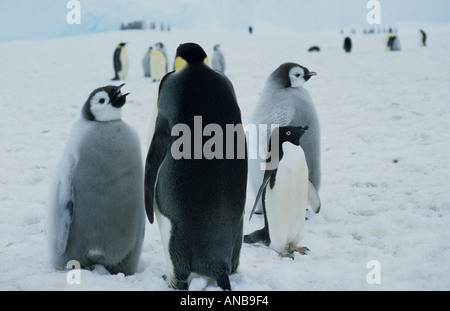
x=198 y=200
x=97 y=200
x=284 y=192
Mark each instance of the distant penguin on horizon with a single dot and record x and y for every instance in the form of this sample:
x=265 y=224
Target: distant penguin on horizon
x=392 y=42
x=347 y=44
x=218 y=60
x=284 y=192
x=146 y=63
x=423 y=38
x=285 y=102
x=158 y=62
x=96 y=202
x=120 y=61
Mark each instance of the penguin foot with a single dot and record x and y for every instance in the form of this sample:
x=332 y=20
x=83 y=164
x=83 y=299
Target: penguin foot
x=300 y=249
x=282 y=255
x=176 y=284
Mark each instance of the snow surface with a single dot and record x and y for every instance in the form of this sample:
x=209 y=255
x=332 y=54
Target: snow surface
x=385 y=155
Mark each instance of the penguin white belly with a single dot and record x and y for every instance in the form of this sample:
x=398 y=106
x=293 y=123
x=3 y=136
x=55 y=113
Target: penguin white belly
x=124 y=62
x=286 y=202
x=165 y=228
x=157 y=64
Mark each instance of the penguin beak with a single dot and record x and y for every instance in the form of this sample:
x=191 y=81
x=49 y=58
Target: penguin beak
x=118 y=99
x=309 y=75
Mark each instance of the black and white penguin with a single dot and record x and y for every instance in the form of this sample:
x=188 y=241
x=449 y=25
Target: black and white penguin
x=158 y=62
x=284 y=191
x=146 y=62
x=120 y=60
x=392 y=42
x=284 y=101
x=198 y=201
x=423 y=38
x=347 y=44
x=218 y=59
x=97 y=199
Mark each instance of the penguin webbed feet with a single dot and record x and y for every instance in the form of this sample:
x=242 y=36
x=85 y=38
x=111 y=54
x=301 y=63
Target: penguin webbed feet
x=303 y=250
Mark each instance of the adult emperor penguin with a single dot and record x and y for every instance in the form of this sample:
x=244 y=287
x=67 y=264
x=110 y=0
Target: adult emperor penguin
x=392 y=42
x=158 y=62
x=97 y=201
x=198 y=200
x=284 y=101
x=284 y=192
x=120 y=60
x=218 y=60
x=146 y=62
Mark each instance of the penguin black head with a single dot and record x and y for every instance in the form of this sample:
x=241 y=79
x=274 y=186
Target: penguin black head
x=290 y=75
x=290 y=134
x=189 y=54
x=159 y=45
x=104 y=104
x=281 y=135
x=122 y=44
x=216 y=47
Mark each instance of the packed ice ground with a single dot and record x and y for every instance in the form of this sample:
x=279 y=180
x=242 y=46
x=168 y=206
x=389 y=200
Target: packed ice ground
x=385 y=155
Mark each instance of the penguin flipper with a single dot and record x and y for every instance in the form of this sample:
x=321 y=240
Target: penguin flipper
x=267 y=176
x=313 y=197
x=65 y=217
x=155 y=157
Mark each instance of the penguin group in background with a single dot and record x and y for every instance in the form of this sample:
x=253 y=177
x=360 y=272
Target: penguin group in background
x=423 y=38
x=218 y=60
x=146 y=62
x=97 y=200
x=158 y=62
x=120 y=61
x=198 y=202
x=347 y=44
x=285 y=102
x=284 y=194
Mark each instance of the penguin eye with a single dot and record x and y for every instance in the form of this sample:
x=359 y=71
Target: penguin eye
x=288 y=133
x=297 y=75
x=101 y=101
